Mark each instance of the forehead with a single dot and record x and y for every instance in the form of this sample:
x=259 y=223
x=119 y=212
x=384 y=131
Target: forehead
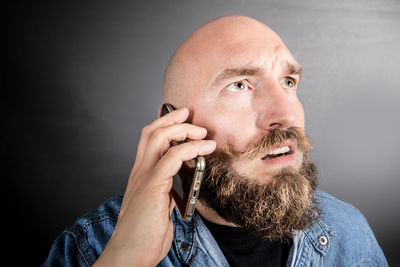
x=265 y=54
x=261 y=52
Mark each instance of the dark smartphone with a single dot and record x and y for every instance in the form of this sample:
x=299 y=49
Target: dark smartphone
x=186 y=184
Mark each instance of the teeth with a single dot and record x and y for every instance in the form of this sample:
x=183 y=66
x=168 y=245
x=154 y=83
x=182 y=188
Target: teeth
x=280 y=150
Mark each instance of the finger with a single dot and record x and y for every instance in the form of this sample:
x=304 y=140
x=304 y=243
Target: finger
x=171 y=162
x=174 y=117
x=160 y=141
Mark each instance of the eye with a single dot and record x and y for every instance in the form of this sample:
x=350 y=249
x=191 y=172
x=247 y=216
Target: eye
x=288 y=83
x=237 y=86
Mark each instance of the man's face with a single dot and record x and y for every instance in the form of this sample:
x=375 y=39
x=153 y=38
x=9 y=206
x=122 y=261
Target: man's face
x=249 y=88
x=239 y=81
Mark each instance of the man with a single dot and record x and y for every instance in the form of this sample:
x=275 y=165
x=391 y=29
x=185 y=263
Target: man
x=235 y=81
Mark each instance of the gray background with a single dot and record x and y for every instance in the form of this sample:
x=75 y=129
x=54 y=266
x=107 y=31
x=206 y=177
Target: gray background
x=87 y=77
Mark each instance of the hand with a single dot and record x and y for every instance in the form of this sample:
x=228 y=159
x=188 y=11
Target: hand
x=144 y=230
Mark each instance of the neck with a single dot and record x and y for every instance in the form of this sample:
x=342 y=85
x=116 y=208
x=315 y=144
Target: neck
x=211 y=215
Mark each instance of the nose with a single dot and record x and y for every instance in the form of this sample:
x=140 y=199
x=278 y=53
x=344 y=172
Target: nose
x=275 y=107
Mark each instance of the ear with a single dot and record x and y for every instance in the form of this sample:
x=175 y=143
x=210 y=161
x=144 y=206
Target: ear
x=159 y=112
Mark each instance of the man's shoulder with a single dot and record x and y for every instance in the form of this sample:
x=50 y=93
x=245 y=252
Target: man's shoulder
x=108 y=210
x=331 y=205
x=83 y=242
x=349 y=230
x=341 y=216
x=334 y=210
x=97 y=225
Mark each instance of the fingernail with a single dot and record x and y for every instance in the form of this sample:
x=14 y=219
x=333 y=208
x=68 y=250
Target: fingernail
x=210 y=142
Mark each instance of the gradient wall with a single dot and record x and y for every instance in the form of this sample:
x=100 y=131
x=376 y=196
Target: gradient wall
x=87 y=76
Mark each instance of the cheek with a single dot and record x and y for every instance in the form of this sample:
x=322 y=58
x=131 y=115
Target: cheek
x=227 y=126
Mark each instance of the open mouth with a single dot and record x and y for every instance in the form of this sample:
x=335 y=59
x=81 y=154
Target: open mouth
x=279 y=152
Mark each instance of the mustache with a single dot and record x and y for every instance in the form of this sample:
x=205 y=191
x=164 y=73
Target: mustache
x=272 y=139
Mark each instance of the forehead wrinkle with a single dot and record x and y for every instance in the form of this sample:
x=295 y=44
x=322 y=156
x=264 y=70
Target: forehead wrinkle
x=235 y=72
x=285 y=58
x=274 y=58
x=240 y=57
x=255 y=64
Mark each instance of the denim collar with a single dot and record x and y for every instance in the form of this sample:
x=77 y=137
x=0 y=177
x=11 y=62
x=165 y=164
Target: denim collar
x=188 y=236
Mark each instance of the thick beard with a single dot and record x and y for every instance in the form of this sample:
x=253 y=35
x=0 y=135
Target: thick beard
x=271 y=210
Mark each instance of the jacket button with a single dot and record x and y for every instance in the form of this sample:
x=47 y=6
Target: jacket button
x=322 y=240
x=184 y=246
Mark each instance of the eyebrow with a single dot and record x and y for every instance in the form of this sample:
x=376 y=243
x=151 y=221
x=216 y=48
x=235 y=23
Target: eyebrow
x=291 y=67
x=229 y=73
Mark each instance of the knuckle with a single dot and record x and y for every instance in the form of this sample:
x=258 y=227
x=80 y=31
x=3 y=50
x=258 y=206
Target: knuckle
x=173 y=151
x=157 y=133
x=145 y=130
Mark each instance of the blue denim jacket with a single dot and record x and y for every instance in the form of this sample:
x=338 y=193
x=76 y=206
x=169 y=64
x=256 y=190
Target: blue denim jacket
x=340 y=237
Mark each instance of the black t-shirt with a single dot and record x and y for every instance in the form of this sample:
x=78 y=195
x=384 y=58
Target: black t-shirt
x=242 y=248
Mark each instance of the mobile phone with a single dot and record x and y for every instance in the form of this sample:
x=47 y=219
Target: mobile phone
x=186 y=183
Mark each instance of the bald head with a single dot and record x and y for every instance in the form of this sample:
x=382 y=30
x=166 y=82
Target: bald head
x=197 y=60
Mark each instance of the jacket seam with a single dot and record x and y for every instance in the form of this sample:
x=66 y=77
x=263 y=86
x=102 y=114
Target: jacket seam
x=98 y=219
x=77 y=246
